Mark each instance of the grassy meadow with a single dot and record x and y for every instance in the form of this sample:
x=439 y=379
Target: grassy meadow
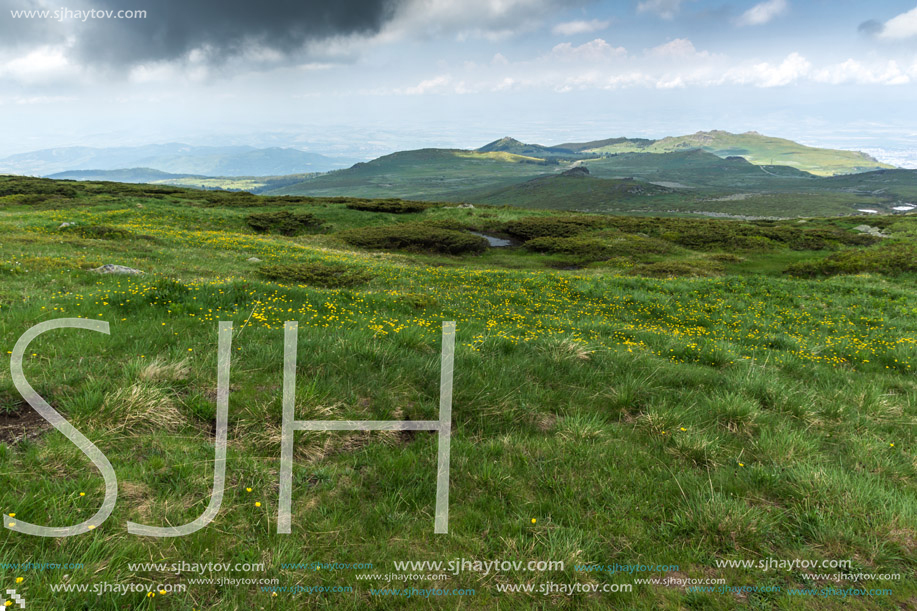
x=628 y=390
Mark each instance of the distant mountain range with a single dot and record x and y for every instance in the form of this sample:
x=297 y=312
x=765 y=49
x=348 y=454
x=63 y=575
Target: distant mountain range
x=752 y=146
x=701 y=160
x=715 y=172
x=710 y=172
x=173 y=158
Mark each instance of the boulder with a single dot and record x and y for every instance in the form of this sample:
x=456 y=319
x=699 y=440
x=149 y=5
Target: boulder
x=116 y=269
x=871 y=231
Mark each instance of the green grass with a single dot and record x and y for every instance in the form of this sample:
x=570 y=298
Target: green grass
x=648 y=415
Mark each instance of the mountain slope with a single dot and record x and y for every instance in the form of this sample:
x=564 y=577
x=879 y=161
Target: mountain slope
x=128 y=175
x=696 y=168
x=755 y=148
x=513 y=146
x=423 y=174
x=576 y=192
x=598 y=145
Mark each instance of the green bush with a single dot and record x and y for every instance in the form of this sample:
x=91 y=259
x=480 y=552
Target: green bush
x=417 y=237
x=324 y=275
x=532 y=227
x=601 y=247
x=817 y=238
x=668 y=269
x=283 y=222
x=889 y=259
x=392 y=206
x=99 y=232
x=742 y=236
x=723 y=236
x=25 y=185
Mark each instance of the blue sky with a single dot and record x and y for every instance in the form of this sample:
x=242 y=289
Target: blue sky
x=458 y=73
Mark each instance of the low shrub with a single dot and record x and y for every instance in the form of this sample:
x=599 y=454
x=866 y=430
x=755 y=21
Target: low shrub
x=718 y=236
x=324 y=275
x=817 y=238
x=417 y=237
x=529 y=228
x=283 y=222
x=668 y=269
x=889 y=259
x=99 y=232
x=599 y=248
x=392 y=206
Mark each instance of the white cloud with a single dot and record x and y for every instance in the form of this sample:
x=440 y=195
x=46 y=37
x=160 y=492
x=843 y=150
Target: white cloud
x=506 y=84
x=674 y=65
x=596 y=50
x=671 y=83
x=900 y=27
x=678 y=48
x=765 y=74
x=44 y=99
x=42 y=65
x=664 y=8
x=763 y=12
x=436 y=84
x=853 y=71
x=571 y=28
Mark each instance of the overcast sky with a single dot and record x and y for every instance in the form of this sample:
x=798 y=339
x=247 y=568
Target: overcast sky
x=363 y=77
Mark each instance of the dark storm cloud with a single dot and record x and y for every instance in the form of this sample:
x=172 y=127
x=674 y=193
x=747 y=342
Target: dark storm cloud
x=172 y=28
x=871 y=28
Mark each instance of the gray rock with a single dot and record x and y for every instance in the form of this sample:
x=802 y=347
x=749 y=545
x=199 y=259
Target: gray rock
x=65 y=225
x=253 y=260
x=871 y=231
x=465 y=206
x=116 y=269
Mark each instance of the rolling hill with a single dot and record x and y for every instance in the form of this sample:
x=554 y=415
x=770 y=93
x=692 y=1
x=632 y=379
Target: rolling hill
x=714 y=160
x=128 y=175
x=579 y=192
x=513 y=146
x=710 y=172
x=424 y=174
x=754 y=147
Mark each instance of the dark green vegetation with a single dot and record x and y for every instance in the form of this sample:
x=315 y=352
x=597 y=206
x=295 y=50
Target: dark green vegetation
x=745 y=175
x=678 y=398
x=895 y=258
x=283 y=222
x=323 y=275
x=415 y=237
x=392 y=206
